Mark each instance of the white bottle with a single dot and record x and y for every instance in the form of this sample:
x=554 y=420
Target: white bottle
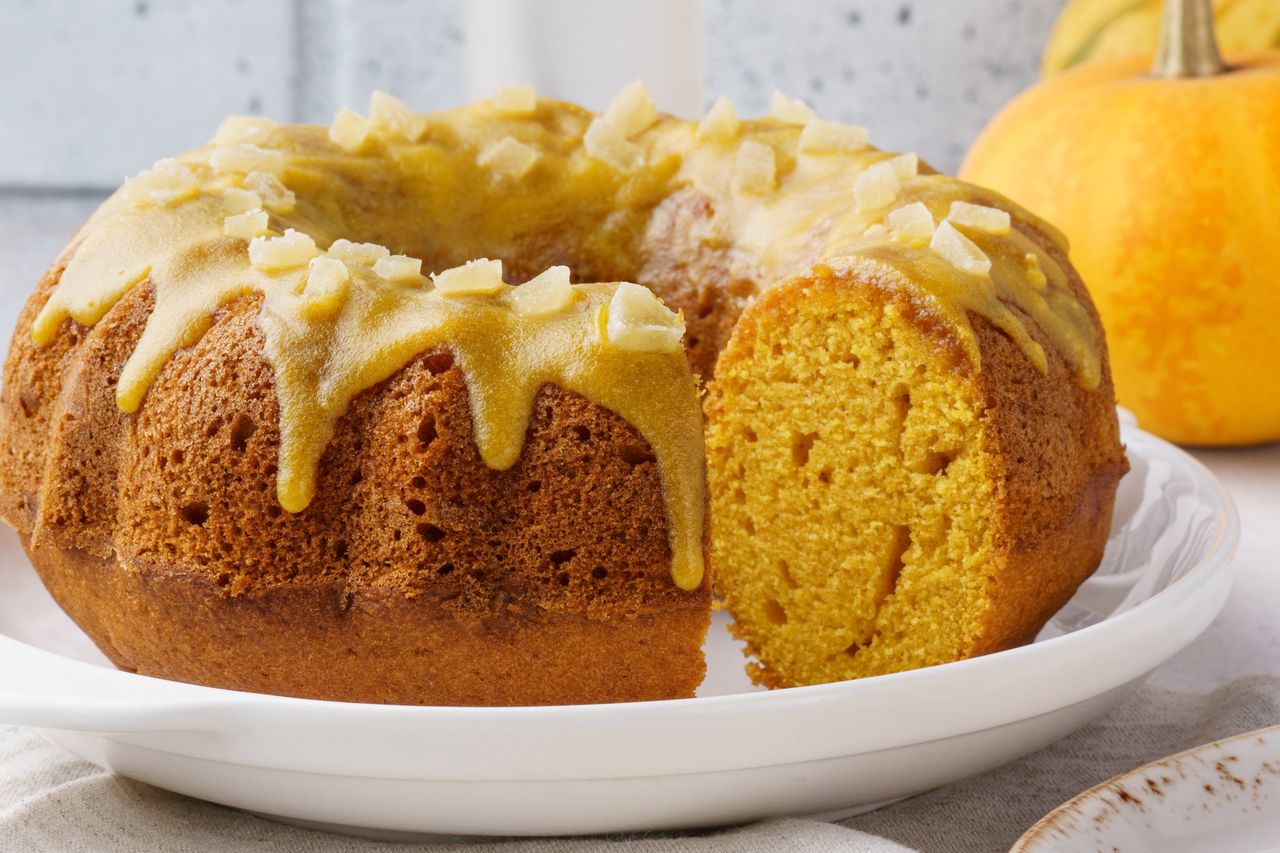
x=586 y=50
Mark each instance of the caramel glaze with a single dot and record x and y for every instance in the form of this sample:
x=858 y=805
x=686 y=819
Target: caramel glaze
x=430 y=199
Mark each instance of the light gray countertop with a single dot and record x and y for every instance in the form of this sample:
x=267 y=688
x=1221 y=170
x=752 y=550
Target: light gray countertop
x=1245 y=638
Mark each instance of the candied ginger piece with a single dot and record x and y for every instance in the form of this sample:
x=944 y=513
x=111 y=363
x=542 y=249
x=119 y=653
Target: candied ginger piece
x=639 y=322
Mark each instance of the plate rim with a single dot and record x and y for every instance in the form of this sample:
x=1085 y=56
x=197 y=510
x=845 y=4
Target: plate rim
x=1035 y=834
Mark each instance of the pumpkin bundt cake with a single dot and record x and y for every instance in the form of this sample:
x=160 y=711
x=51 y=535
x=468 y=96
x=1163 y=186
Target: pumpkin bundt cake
x=274 y=421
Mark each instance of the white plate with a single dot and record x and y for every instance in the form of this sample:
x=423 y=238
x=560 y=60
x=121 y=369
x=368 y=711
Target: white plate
x=1217 y=797
x=733 y=754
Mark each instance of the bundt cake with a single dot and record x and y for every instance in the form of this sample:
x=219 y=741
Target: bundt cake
x=248 y=443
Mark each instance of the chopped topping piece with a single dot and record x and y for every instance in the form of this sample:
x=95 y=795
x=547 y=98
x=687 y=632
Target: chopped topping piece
x=876 y=187
x=247 y=225
x=905 y=166
x=876 y=232
x=276 y=197
x=721 y=122
x=240 y=201
x=913 y=221
x=632 y=109
x=639 y=322
x=247 y=158
x=349 y=130
x=959 y=251
x=977 y=216
x=358 y=253
x=1035 y=275
x=327 y=284
x=546 y=293
x=394 y=115
x=516 y=100
x=398 y=268
x=292 y=249
x=756 y=170
x=166 y=182
x=832 y=137
x=237 y=129
x=509 y=156
x=790 y=110
x=481 y=277
x=606 y=143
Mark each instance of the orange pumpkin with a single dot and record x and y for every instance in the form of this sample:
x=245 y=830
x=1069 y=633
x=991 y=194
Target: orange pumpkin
x=1087 y=30
x=1168 y=185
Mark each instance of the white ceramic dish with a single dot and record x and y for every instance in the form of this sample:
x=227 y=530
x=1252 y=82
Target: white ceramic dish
x=1223 y=796
x=733 y=754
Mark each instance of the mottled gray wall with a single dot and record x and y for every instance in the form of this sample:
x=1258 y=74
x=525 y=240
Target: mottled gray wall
x=93 y=91
x=924 y=75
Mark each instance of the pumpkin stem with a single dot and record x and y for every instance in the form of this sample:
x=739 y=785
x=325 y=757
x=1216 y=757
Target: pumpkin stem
x=1188 y=45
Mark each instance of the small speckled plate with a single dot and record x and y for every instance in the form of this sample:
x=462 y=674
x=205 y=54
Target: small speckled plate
x=733 y=754
x=1223 y=796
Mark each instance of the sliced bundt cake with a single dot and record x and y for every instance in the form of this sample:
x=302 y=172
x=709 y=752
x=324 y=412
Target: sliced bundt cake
x=249 y=443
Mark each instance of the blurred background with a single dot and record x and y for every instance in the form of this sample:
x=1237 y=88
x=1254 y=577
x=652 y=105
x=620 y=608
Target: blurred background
x=93 y=91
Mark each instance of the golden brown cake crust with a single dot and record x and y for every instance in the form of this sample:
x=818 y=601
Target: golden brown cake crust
x=383 y=647
x=1059 y=447
x=418 y=575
